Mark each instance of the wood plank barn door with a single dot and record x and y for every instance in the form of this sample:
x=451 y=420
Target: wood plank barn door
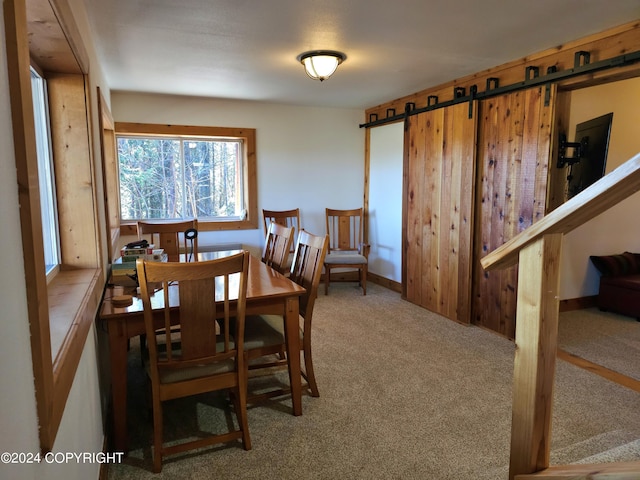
x=438 y=184
x=514 y=138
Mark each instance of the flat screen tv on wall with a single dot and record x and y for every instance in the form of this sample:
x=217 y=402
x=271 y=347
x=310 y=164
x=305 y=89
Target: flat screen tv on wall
x=594 y=136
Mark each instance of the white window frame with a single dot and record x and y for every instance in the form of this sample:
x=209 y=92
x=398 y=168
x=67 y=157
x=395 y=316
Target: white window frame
x=46 y=176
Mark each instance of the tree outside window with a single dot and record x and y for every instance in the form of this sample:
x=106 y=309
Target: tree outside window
x=186 y=177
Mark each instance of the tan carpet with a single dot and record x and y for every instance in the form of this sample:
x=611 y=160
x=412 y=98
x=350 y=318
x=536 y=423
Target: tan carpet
x=607 y=339
x=405 y=394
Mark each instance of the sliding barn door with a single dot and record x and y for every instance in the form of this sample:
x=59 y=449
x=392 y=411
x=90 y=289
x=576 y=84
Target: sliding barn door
x=513 y=165
x=438 y=210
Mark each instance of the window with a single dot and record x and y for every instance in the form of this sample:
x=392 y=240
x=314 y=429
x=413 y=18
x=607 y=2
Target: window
x=45 y=174
x=179 y=172
x=169 y=178
x=60 y=311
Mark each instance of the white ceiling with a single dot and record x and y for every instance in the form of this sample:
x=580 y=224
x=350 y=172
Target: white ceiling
x=246 y=49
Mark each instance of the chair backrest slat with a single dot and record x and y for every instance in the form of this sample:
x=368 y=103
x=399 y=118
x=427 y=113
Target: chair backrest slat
x=344 y=228
x=205 y=292
x=197 y=302
x=277 y=246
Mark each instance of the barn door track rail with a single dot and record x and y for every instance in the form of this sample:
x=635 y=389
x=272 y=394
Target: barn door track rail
x=533 y=78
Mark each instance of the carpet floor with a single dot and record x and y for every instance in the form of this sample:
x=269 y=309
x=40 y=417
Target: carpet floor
x=404 y=394
x=604 y=338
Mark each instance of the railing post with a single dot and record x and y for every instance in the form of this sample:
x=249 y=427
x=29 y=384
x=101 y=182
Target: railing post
x=535 y=357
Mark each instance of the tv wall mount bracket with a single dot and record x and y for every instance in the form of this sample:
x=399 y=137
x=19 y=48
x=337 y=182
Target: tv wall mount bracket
x=579 y=150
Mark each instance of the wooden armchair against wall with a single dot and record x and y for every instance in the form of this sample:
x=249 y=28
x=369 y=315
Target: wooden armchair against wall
x=347 y=249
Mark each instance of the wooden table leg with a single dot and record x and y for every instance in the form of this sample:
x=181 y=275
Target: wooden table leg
x=292 y=333
x=118 y=355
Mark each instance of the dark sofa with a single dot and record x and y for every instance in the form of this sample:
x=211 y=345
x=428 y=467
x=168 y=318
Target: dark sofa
x=619 y=283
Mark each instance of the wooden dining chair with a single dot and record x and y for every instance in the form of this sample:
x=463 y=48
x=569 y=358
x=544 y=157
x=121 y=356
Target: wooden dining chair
x=264 y=334
x=288 y=218
x=197 y=295
x=174 y=237
x=277 y=247
x=346 y=247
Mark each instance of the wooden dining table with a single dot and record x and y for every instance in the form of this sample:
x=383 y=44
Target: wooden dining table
x=268 y=292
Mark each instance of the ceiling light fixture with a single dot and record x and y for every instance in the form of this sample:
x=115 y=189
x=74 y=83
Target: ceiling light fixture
x=320 y=64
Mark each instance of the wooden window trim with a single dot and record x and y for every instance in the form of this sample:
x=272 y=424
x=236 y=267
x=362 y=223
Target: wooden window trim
x=108 y=151
x=76 y=291
x=250 y=168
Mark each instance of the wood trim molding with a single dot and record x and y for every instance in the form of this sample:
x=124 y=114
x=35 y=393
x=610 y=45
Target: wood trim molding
x=18 y=60
x=88 y=285
x=367 y=183
x=385 y=282
x=581 y=303
x=604 y=372
x=64 y=15
x=109 y=164
x=599 y=471
x=251 y=177
x=131 y=128
x=77 y=300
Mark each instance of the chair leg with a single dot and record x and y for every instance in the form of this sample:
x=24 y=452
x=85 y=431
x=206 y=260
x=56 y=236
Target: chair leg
x=311 y=376
x=363 y=274
x=157 y=435
x=241 y=411
x=327 y=278
x=143 y=348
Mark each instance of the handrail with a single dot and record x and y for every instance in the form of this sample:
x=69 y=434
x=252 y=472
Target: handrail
x=591 y=202
x=537 y=251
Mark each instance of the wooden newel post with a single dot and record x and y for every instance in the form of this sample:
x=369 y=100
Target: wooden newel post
x=535 y=357
x=537 y=252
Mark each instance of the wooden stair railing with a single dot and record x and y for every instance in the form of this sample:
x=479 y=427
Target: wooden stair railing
x=537 y=252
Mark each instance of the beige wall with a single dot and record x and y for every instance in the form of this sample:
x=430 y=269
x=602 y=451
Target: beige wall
x=307 y=157
x=618 y=229
x=385 y=201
